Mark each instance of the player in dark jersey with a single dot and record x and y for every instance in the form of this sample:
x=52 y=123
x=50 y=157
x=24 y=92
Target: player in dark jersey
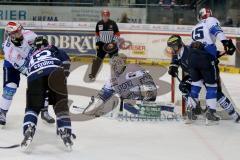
x=181 y=59
x=47 y=71
x=107 y=37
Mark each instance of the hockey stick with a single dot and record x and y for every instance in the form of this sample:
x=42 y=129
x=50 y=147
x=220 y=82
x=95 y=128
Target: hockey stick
x=90 y=103
x=10 y=147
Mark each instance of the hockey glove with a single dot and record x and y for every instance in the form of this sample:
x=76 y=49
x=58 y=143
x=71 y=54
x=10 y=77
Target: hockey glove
x=173 y=70
x=66 y=67
x=110 y=47
x=228 y=46
x=185 y=87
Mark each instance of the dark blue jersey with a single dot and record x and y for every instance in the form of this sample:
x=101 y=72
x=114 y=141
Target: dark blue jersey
x=182 y=59
x=42 y=62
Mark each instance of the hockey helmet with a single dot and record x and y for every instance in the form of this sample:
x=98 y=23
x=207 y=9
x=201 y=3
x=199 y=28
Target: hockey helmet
x=40 y=42
x=174 y=43
x=204 y=13
x=14 y=30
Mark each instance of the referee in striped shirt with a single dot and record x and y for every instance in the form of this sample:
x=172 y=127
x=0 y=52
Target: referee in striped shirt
x=107 y=36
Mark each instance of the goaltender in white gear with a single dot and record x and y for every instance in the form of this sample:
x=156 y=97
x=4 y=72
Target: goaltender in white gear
x=128 y=81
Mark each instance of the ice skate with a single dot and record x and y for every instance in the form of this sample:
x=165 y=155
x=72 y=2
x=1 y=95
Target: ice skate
x=67 y=136
x=46 y=117
x=28 y=137
x=191 y=116
x=211 y=118
x=91 y=77
x=2 y=118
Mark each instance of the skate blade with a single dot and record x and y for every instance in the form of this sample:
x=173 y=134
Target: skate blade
x=211 y=123
x=26 y=147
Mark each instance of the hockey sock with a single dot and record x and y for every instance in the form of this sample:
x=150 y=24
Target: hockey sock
x=211 y=96
x=30 y=117
x=8 y=92
x=64 y=122
x=195 y=90
x=225 y=103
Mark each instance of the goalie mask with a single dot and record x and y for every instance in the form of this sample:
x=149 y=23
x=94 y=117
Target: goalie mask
x=118 y=64
x=174 y=44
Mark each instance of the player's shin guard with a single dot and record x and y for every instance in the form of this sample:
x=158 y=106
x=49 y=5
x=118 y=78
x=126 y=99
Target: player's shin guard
x=5 y=102
x=211 y=96
x=8 y=92
x=195 y=90
x=193 y=101
x=211 y=101
x=226 y=104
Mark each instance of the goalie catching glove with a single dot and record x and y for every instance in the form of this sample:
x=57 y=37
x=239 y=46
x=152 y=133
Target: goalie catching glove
x=228 y=46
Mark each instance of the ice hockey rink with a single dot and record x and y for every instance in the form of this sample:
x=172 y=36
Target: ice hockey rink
x=108 y=138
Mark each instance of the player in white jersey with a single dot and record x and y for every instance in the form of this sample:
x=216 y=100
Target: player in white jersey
x=16 y=48
x=128 y=81
x=208 y=30
x=204 y=60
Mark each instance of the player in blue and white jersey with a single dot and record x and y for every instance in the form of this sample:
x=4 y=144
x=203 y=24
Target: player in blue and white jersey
x=203 y=61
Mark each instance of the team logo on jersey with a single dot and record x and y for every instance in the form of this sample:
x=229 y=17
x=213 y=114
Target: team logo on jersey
x=110 y=26
x=100 y=27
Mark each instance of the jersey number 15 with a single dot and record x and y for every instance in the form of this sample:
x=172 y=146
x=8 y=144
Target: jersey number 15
x=197 y=33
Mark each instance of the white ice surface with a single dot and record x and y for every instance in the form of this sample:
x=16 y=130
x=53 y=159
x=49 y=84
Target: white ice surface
x=108 y=139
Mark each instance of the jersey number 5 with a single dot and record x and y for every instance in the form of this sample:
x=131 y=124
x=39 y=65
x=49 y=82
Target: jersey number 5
x=197 y=33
